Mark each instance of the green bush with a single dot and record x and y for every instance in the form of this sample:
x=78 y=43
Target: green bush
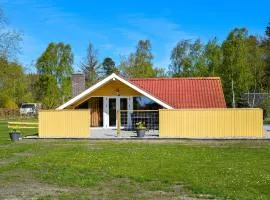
x=266 y=108
x=7 y=102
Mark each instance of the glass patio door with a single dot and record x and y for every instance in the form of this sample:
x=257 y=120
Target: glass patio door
x=115 y=104
x=112 y=112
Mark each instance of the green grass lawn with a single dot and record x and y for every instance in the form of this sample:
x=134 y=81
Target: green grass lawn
x=73 y=169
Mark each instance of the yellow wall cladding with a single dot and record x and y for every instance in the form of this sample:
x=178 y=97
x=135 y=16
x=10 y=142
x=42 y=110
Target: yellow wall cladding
x=64 y=124
x=211 y=123
x=114 y=88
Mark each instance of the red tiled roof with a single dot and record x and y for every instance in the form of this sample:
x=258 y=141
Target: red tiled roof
x=184 y=92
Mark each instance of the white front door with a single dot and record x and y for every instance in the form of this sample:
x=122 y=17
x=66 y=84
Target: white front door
x=110 y=107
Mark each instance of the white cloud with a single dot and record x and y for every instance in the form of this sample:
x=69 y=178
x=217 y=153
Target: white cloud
x=107 y=47
x=130 y=34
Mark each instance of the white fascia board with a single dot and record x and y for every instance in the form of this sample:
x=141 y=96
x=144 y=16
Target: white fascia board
x=107 y=79
x=86 y=92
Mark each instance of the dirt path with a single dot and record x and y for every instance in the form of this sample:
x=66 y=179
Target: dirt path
x=20 y=185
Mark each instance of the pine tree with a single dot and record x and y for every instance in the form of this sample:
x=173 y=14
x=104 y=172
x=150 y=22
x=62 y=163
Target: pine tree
x=108 y=66
x=90 y=66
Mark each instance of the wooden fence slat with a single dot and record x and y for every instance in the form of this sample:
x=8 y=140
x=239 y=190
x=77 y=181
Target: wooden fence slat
x=211 y=123
x=28 y=123
x=21 y=127
x=64 y=124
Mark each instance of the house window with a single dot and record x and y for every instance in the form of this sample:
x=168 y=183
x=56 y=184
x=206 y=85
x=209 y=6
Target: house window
x=83 y=105
x=144 y=103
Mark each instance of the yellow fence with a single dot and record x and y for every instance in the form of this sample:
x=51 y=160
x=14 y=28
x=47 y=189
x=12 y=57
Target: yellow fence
x=211 y=123
x=22 y=125
x=64 y=124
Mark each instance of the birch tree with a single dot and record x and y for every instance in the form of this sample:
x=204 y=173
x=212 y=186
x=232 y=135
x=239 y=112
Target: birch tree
x=236 y=75
x=139 y=64
x=54 y=68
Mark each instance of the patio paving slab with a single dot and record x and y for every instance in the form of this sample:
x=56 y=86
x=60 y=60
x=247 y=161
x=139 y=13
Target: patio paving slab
x=112 y=133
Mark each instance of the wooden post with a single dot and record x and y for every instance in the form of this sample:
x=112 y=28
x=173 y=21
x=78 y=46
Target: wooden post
x=118 y=122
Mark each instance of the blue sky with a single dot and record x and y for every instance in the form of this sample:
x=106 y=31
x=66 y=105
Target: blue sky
x=114 y=27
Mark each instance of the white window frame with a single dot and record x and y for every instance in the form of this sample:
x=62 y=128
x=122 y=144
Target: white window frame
x=106 y=117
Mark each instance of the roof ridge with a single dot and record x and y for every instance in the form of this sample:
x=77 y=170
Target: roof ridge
x=177 y=78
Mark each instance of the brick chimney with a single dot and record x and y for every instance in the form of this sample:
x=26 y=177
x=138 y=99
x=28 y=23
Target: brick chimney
x=78 y=83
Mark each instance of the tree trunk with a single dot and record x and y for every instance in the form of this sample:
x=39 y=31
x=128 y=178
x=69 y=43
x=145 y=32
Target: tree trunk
x=254 y=95
x=233 y=95
x=248 y=99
